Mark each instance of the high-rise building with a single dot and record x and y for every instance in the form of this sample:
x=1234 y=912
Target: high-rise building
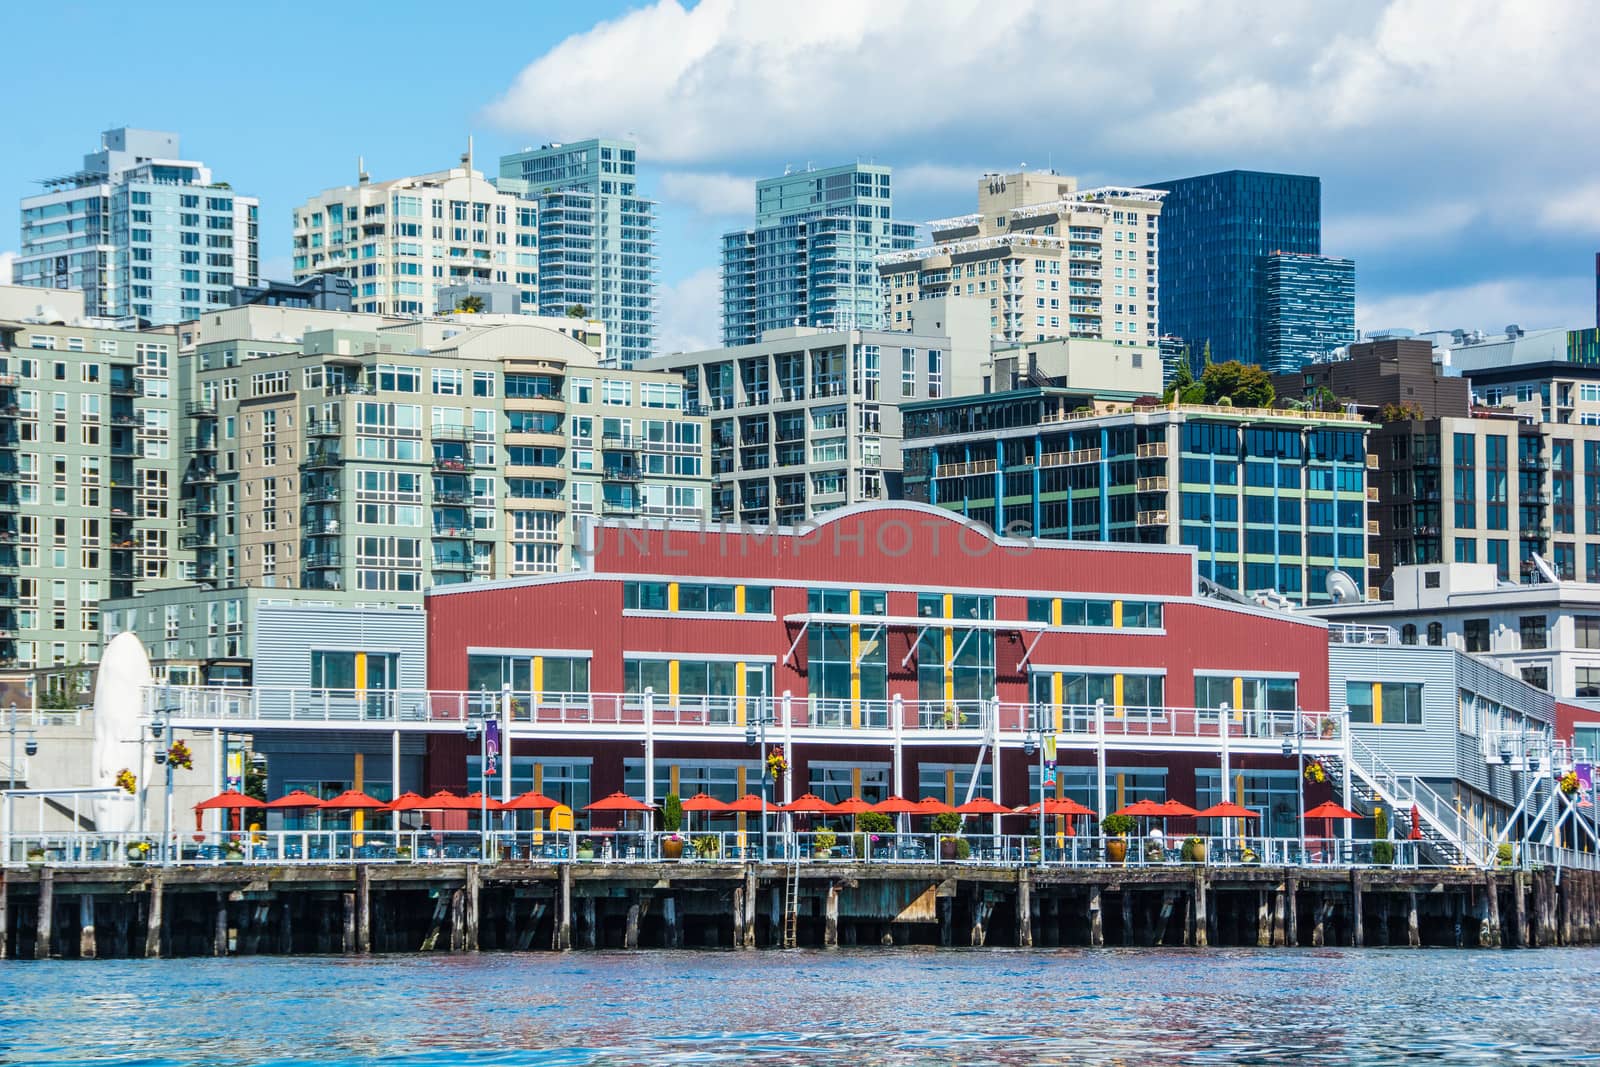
x=809 y=258
x=88 y=502
x=1270 y=499
x=807 y=420
x=1052 y=260
x=142 y=232
x=1306 y=307
x=400 y=241
x=1217 y=229
x=597 y=237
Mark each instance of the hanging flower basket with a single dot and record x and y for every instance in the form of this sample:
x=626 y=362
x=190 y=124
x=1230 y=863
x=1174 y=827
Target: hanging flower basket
x=1316 y=773
x=1568 y=783
x=777 y=766
x=180 y=757
x=126 y=781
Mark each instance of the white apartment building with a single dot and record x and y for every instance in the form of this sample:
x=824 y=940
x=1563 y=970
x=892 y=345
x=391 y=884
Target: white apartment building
x=1548 y=633
x=1050 y=259
x=399 y=241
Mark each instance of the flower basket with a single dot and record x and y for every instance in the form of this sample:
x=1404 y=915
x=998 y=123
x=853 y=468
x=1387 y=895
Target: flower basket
x=180 y=757
x=1316 y=773
x=777 y=765
x=1569 y=783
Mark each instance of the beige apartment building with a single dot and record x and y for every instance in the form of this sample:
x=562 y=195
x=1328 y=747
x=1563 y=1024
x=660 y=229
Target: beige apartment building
x=1051 y=260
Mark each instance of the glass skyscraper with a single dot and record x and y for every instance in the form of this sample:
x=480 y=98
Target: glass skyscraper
x=1216 y=229
x=141 y=232
x=810 y=258
x=1306 y=306
x=597 y=237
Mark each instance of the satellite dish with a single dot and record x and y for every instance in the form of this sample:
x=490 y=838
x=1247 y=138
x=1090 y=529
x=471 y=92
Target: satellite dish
x=1545 y=570
x=1342 y=588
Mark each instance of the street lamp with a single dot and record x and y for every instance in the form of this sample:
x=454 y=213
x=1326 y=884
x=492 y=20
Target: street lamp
x=1034 y=743
x=161 y=731
x=477 y=732
x=1298 y=751
x=755 y=733
x=29 y=746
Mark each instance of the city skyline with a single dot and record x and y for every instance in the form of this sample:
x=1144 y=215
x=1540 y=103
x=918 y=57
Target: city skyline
x=1460 y=189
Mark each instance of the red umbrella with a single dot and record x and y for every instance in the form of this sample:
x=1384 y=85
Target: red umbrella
x=1143 y=808
x=851 y=806
x=297 y=799
x=1228 y=810
x=1055 y=806
x=1416 y=825
x=618 y=802
x=895 y=806
x=1329 y=810
x=1177 y=809
x=474 y=801
x=530 y=802
x=355 y=800
x=706 y=803
x=749 y=804
x=982 y=806
x=405 y=802
x=808 y=804
x=443 y=800
x=932 y=806
x=231 y=800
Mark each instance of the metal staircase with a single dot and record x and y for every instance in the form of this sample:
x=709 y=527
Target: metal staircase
x=791 y=904
x=1446 y=834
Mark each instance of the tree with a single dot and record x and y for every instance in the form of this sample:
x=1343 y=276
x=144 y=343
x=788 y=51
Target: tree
x=471 y=305
x=577 y=311
x=255 y=777
x=1205 y=356
x=1244 y=385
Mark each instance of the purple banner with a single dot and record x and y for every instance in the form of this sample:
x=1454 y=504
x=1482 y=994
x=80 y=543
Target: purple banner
x=491 y=749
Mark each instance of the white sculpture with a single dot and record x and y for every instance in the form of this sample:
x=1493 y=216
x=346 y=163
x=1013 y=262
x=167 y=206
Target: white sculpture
x=120 y=683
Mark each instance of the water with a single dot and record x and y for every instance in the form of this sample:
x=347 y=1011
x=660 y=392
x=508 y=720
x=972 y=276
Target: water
x=892 y=1007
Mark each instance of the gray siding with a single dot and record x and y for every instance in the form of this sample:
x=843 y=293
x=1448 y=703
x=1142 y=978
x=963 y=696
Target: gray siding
x=286 y=635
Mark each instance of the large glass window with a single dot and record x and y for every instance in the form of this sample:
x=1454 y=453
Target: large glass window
x=1388 y=703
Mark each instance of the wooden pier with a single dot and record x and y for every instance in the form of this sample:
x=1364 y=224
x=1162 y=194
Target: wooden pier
x=226 y=910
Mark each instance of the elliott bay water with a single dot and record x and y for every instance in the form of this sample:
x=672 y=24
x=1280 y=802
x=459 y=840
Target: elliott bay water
x=900 y=1006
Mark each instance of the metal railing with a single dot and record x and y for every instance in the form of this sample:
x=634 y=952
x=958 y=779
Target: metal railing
x=1403 y=791
x=269 y=704
x=818 y=846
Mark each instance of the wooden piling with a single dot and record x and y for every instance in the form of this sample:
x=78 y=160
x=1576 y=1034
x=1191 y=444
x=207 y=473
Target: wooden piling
x=347 y=937
x=1279 y=917
x=1413 y=926
x=738 y=916
x=563 y=934
x=1319 y=914
x=1024 y=910
x=630 y=933
x=219 y=926
x=1097 y=933
x=981 y=908
x=44 y=926
x=591 y=926
x=1158 y=933
x=750 y=890
x=152 y=929
x=364 y=909
x=1201 y=935
x=86 y=944
x=830 y=918
x=1489 y=931
x=672 y=920
x=1127 y=915
x=1291 y=890
x=1263 y=921
x=1519 y=906
x=1358 y=930
x=458 y=921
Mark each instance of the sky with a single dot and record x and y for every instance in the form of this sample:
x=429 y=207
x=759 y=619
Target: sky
x=1456 y=139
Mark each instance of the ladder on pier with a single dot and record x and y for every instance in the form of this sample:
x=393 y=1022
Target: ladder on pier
x=791 y=904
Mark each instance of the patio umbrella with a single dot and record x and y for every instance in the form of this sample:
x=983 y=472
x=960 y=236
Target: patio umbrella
x=405 y=802
x=1142 y=808
x=749 y=804
x=475 y=801
x=530 y=802
x=1329 y=810
x=1177 y=809
x=852 y=806
x=355 y=800
x=982 y=806
x=932 y=806
x=1416 y=825
x=442 y=800
x=1054 y=806
x=895 y=806
x=706 y=803
x=298 y=799
x=808 y=804
x=232 y=800
x=1228 y=810
x=618 y=802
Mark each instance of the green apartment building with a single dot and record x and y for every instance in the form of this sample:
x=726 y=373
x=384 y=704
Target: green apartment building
x=1271 y=500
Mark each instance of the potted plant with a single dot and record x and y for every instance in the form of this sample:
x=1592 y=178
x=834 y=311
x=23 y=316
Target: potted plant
x=1327 y=726
x=1194 y=850
x=404 y=852
x=138 y=852
x=1116 y=829
x=671 y=822
x=1382 y=847
x=35 y=855
x=233 y=852
x=1247 y=855
x=952 y=846
x=708 y=846
x=822 y=843
x=1503 y=854
x=585 y=850
x=870 y=825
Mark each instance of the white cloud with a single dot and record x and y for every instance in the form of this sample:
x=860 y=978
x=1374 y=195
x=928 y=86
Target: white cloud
x=6 y=260
x=710 y=194
x=1577 y=209
x=691 y=313
x=937 y=179
x=1532 y=303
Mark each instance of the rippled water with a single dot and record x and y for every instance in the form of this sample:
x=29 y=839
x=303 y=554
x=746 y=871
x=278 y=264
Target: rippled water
x=895 y=1006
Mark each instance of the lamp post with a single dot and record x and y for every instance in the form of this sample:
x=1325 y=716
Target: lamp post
x=477 y=732
x=1298 y=751
x=31 y=747
x=1034 y=743
x=755 y=733
x=161 y=731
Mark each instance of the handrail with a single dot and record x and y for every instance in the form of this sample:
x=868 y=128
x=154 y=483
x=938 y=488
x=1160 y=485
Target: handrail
x=1404 y=790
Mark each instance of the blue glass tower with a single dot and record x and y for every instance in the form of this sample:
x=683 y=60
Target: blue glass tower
x=1306 y=306
x=1215 y=231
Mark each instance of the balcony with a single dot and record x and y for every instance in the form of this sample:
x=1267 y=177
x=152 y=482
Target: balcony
x=452 y=562
x=318 y=561
x=1157 y=484
x=323 y=428
x=198 y=540
x=321 y=494
x=619 y=507
x=450 y=465
x=201 y=475
x=452 y=533
x=124 y=387
x=622 y=474
x=321 y=459
x=200 y=445
x=1153 y=450
x=201 y=409
x=1152 y=518
x=620 y=443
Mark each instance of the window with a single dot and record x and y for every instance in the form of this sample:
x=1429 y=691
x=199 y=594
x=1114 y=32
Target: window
x=1535 y=632
x=1408 y=634
x=1539 y=676
x=1587 y=681
x=1384 y=703
x=1476 y=632
x=1436 y=633
x=1586 y=631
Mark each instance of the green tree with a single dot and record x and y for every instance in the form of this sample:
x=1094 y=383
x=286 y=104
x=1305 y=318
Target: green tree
x=577 y=311
x=1244 y=385
x=1181 y=380
x=255 y=777
x=471 y=305
x=1205 y=357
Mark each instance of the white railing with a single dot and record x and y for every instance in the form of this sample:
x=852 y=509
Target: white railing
x=1343 y=633
x=268 y=705
x=1403 y=791
x=781 y=845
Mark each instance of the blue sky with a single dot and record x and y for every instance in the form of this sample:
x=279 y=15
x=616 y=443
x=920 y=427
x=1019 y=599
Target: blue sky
x=1455 y=138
